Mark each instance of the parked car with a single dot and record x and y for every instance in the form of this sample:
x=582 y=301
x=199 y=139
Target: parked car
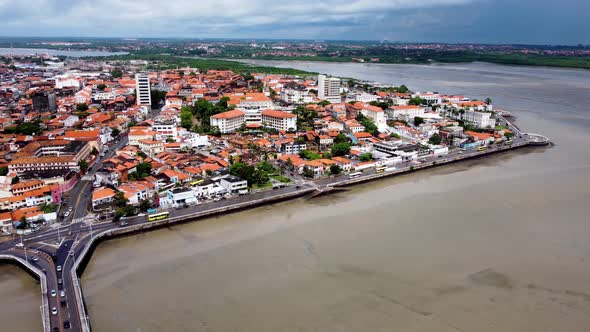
x=62 y=293
x=59 y=268
x=54 y=311
x=53 y=293
x=67 y=324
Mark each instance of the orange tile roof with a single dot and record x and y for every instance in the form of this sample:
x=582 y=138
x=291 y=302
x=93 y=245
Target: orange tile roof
x=103 y=193
x=278 y=114
x=228 y=114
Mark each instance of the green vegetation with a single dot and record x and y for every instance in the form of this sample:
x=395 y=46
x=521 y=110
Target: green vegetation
x=142 y=170
x=281 y=178
x=435 y=139
x=83 y=165
x=340 y=149
x=163 y=61
x=257 y=176
x=416 y=101
x=157 y=96
x=308 y=172
x=116 y=132
x=335 y=169
x=418 y=121
x=369 y=125
x=117 y=73
x=305 y=117
x=200 y=113
x=341 y=138
x=26 y=128
x=4 y=171
x=309 y=155
x=395 y=135
x=366 y=157
x=48 y=208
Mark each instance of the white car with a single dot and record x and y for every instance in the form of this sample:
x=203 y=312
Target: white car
x=19 y=245
x=35 y=258
x=54 y=311
x=59 y=268
x=62 y=293
x=53 y=293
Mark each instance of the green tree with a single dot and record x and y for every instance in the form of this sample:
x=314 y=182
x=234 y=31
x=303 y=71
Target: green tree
x=145 y=204
x=81 y=107
x=309 y=155
x=101 y=87
x=327 y=155
x=48 y=208
x=403 y=89
x=4 y=171
x=83 y=165
x=335 y=169
x=117 y=73
x=435 y=139
x=141 y=154
x=186 y=117
x=365 y=156
x=116 y=132
x=340 y=149
x=308 y=172
x=120 y=199
x=157 y=96
x=418 y=121
x=416 y=101
x=341 y=138
x=143 y=169
x=395 y=135
x=15 y=180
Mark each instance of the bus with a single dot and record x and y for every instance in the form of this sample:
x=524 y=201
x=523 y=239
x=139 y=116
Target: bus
x=354 y=175
x=380 y=169
x=158 y=216
x=482 y=148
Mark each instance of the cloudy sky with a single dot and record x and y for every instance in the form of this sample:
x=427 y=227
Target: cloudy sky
x=485 y=21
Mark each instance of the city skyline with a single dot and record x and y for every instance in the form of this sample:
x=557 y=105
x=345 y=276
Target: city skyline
x=446 y=21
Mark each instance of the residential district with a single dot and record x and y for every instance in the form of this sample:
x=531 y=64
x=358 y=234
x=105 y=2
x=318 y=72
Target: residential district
x=148 y=141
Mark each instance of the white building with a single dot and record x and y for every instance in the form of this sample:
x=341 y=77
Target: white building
x=166 y=129
x=143 y=89
x=229 y=121
x=362 y=97
x=233 y=183
x=329 y=88
x=479 y=119
x=67 y=82
x=279 y=120
x=182 y=196
x=295 y=96
x=405 y=111
x=194 y=140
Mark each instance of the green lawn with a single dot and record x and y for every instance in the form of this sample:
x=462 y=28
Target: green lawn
x=281 y=178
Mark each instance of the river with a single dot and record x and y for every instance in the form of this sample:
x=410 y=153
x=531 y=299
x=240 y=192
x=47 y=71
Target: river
x=496 y=244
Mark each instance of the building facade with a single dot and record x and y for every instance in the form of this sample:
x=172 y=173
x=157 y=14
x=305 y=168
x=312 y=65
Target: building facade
x=143 y=89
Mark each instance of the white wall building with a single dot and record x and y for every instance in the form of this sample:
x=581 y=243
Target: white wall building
x=233 y=183
x=479 y=119
x=143 y=89
x=329 y=88
x=294 y=96
x=229 y=121
x=166 y=129
x=279 y=120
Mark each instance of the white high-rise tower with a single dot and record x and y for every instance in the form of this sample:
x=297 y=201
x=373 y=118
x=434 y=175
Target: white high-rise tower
x=143 y=89
x=329 y=88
